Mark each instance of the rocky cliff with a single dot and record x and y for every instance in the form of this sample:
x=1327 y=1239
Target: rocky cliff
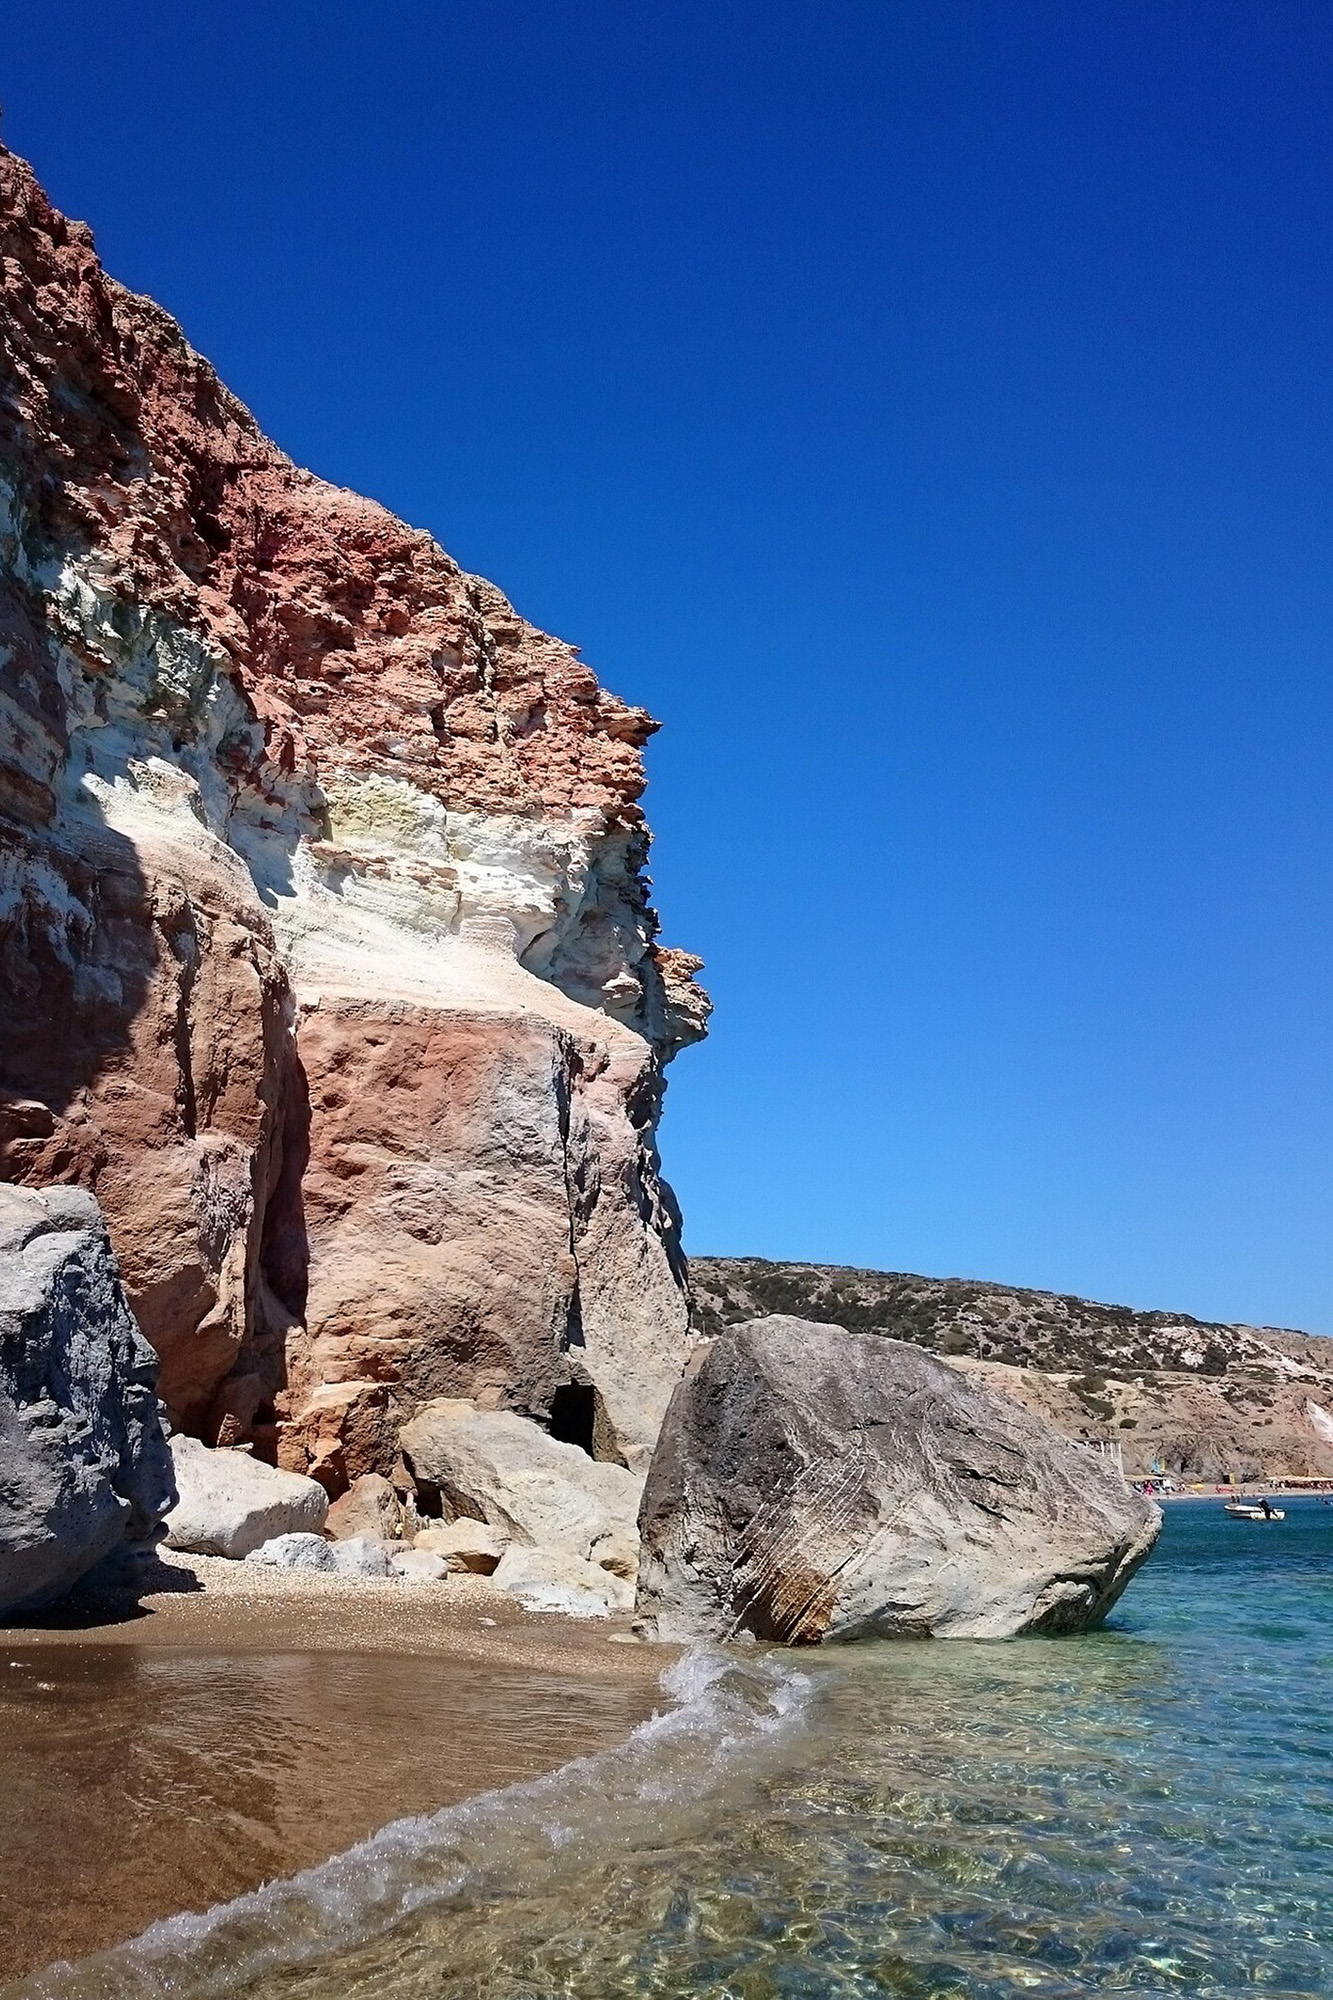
x=1197 y=1398
x=326 y=953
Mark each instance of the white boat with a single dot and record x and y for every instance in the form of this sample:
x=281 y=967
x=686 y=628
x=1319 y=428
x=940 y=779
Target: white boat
x=1254 y=1510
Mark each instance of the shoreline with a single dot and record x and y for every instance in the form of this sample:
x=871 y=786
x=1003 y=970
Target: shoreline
x=234 y=1726
x=1274 y=1491
x=215 y=1604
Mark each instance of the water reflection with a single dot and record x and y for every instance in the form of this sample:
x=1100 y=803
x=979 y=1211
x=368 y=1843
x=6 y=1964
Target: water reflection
x=1145 y=1810
x=136 y=1783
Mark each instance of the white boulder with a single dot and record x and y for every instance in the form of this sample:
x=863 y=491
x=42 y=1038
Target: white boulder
x=511 y=1474
x=230 y=1503
x=464 y=1544
x=419 y=1565
x=554 y=1580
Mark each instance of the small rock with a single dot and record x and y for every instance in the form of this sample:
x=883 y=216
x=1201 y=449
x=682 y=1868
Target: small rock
x=361 y=1555
x=296 y=1551
x=465 y=1544
x=554 y=1580
x=370 y=1507
x=419 y=1565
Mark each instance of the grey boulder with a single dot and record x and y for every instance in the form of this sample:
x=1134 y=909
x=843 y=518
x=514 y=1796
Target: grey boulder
x=359 y=1556
x=83 y=1461
x=293 y=1551
x=362 y=1555
x=814 y=1484
x=231 y=1504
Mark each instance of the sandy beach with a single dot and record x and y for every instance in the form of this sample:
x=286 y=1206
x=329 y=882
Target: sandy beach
x=233 y=1724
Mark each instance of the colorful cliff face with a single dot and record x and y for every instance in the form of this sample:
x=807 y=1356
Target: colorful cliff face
x=326 y=958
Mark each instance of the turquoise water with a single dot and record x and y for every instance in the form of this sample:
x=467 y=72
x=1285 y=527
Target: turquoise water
x=1148 y=1809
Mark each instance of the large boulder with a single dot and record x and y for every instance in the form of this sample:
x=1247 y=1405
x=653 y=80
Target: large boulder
x=83 y=1461
x=555 y=1580
x=509 y=1473
x=813 y=1484
x=231 y=1504
x=465 y=1544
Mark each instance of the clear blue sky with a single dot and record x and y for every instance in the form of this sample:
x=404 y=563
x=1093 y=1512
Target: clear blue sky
x=924 y=407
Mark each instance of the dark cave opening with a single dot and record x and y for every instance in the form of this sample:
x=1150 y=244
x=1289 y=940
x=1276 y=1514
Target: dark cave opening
x=574 y=1415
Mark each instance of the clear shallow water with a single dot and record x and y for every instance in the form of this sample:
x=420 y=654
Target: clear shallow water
x=1147 y=1810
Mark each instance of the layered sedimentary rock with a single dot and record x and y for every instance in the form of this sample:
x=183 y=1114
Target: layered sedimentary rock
x=83 y=1461
x=326 y=955
x=812 y=1484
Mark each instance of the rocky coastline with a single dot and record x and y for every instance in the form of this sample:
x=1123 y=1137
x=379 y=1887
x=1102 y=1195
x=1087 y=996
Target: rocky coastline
x=343 y=1305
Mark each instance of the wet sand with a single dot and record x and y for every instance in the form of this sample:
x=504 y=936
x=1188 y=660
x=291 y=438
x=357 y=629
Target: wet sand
x=235 y=1725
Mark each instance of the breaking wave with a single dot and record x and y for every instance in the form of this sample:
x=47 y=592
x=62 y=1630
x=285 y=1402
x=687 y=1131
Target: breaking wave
x=729 y=1719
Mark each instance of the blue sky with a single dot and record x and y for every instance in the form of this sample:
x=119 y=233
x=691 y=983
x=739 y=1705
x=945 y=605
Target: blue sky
x=925 y=409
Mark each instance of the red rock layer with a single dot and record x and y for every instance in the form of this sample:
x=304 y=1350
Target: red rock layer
x=359 y=642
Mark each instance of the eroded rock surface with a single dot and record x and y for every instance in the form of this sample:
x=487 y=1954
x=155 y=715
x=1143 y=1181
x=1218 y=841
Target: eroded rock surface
x=326 y=955
x=504 y=1471
x=83 y=1461
x=815 y=1484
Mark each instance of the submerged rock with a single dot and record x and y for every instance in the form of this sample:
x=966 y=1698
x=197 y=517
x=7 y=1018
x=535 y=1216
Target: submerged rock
x=813 y=1484
x=231 y=1504
x=511 y=1474
x=83 y=1461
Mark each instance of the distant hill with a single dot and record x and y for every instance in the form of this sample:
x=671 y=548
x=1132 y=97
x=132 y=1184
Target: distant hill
x=1199 y=1398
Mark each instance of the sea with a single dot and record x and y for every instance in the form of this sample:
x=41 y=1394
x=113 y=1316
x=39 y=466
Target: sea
x=1147 y=1809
